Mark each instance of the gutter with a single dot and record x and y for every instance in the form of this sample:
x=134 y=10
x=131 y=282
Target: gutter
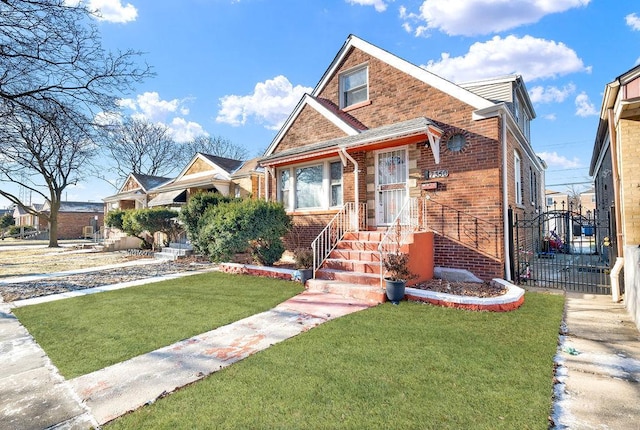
x=344 y=155
x=615 y=281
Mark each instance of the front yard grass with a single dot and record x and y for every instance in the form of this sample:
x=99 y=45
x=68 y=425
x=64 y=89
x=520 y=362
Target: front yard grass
x=411 y=366
x=88 y=333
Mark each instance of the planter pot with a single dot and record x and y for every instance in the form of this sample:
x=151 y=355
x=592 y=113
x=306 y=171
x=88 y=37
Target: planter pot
x=395 y=290
x=302 y=275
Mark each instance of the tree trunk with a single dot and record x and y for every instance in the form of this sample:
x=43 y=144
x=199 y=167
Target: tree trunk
x=53 y=225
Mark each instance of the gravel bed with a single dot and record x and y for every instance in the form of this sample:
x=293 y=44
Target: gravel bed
x=61 y=284
x=473 y=289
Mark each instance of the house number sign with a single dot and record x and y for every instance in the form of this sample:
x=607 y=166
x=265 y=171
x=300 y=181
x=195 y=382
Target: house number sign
x=432 y=174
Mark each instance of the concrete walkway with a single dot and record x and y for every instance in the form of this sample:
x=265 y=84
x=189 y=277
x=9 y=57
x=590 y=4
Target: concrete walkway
x=598 y=366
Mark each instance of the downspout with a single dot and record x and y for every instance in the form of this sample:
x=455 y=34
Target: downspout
x=505 y=199
x=617 y=267
x=344 y=154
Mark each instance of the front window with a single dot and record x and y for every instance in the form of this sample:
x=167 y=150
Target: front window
x=309 y=187
x=354 y=87
x=336 y=183
x=317 y=186
x=284 y=187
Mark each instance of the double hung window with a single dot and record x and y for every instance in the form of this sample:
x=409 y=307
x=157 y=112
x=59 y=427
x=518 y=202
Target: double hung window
x=354 y=87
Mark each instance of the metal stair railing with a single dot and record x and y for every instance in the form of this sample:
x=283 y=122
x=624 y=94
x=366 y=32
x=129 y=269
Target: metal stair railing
x=350 y=218
x=462 y=228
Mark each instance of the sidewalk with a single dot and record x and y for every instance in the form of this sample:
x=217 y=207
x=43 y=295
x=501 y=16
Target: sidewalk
x=599 y=366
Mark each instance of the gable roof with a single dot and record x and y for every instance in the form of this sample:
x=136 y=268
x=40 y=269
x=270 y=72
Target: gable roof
x=77 y=207
x=417 y=72
x=247 y=168
x=228 y=164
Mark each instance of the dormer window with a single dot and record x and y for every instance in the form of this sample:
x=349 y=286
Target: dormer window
x=354 y=86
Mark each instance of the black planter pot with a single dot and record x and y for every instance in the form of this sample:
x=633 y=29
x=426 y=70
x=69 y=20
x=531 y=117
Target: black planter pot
x=395 y=290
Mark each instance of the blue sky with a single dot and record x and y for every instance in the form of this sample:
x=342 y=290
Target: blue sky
x=236 y=68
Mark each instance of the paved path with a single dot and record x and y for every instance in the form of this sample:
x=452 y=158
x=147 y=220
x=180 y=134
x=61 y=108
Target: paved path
x=599 y=369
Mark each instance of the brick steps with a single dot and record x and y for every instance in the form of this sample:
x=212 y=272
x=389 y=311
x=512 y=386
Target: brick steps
x=353 y=268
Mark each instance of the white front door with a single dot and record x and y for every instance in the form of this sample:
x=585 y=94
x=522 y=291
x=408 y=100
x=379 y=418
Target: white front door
x=392 y=172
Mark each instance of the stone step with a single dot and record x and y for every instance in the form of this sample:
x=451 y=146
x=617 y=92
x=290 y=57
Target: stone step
x=352 y=265
x=348 y=254
x=358 y=245
x=367 y=236
x=371 y=294
x=349 y=277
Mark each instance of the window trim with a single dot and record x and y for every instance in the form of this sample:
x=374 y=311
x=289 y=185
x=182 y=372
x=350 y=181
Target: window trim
x=517 y=176
x=343 y=75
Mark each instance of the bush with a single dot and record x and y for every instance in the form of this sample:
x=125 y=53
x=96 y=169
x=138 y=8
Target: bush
x=192 y=215
x=15 y=229
x=143 y=223
x=253 y=226
x=114 y=219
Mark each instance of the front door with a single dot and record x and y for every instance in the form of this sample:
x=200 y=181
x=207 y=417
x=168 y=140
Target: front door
x=392 y=171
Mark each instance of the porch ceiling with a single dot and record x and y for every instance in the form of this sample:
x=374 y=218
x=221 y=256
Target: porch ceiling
x=398 y=133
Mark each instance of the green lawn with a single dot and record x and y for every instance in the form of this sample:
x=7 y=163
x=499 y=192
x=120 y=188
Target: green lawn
x=88 y=333
x=411 y=366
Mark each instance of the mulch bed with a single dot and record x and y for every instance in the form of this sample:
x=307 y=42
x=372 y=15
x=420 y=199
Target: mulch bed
x=459 y=288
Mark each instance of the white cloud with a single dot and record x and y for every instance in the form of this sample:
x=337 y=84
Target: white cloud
x=380 y=5
x=551 y=94
x=633 y=21
x=531 y=57
x=550 y=117
x=584 y=107
x=271 y=103
x=151 y=107
x=554 y=160
x=108 y=10
x=473 y=17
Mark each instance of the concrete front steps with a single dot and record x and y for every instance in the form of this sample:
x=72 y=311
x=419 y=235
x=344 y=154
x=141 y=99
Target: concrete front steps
x=174 y=251
x=352 y=269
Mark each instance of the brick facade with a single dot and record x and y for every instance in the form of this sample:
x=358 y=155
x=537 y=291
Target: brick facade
x=474 y=181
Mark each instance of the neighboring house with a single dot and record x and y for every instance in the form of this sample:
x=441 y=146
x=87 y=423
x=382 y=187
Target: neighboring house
x=615 y=165
x=24 y=218
x=203 y=173
x=73 y=218
x=135 y=193
x=377 y=130
x=248 y=179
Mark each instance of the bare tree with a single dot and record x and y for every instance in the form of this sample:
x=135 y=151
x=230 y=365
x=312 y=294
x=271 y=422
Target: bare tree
x=139 y=146
x=54 y=76
x=218 y=146
x=44 y=153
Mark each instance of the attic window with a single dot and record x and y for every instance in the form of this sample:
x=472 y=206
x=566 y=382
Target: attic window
x=354 y=87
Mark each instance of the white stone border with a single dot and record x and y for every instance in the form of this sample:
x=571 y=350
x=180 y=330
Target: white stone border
x=513 y=294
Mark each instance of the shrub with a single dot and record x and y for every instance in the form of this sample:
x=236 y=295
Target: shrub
x=255 y=226
x=143 y=223
x=114 y=219
x=192 y=215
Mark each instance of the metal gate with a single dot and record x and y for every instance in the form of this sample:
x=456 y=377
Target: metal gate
x=562 y=249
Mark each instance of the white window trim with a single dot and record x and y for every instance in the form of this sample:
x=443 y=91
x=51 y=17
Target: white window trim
x=353 y=70
x=517 y=175
x=325 y=199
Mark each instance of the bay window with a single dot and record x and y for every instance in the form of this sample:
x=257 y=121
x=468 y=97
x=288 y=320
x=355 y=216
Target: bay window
x=311 y=186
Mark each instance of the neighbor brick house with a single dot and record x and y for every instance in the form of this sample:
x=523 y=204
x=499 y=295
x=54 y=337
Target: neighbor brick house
x=135 y=192
x=615 y=165
x=73 y=218
x=378 y=131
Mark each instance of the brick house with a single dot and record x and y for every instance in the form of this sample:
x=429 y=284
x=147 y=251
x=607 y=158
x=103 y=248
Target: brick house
x=135 y=192
x=615 y=166
x=73 y=217
x=204 y=172
x=383 y=137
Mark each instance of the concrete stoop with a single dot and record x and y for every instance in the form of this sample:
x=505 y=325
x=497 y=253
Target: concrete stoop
x=174 y=252
x=367 y=293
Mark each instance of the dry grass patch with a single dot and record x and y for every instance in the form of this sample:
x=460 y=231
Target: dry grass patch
x=20 y=262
